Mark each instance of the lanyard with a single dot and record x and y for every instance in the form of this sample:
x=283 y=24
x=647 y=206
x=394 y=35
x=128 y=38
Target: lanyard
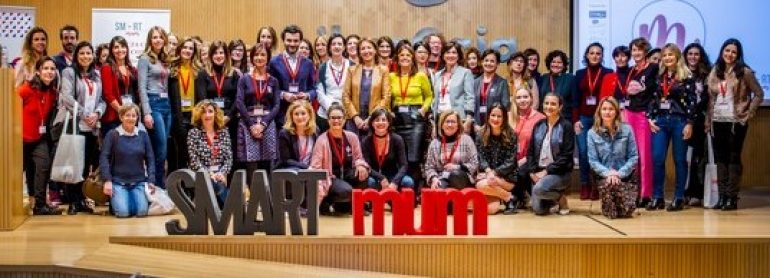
x=592 y=85
x=337 y=79
x=338 y=150
x=381 y=153
x=90 y=85
x=404 y=88
x=292 y=72
x=259 y=90
x=553 y=87
x=447 y=160
x=666 y=86
x=485 y=92
x=214 y=148
x=185 y=83
x=445 y=83
x=304 y=147
x=219 y=83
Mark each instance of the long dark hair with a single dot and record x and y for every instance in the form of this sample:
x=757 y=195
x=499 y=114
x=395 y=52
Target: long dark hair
x=111 y=58
x=703 y=67
x=37 y=82
x=507 y=132
x=585 y=54
x=89 y=70
x=721 y=66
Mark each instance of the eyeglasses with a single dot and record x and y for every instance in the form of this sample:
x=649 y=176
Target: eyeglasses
x=450 y=122
x=336 y=117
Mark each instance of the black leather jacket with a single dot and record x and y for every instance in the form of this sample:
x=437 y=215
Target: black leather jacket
x=562 y=148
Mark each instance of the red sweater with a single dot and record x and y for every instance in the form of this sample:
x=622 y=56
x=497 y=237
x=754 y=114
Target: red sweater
x=112 y=89
x=36 y=106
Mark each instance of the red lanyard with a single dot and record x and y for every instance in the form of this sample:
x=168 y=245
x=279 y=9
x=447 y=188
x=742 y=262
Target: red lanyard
x=485 y=92
x=219 y=83
x=634 y=71
x=292 y=72
x=592 y=85
x=447 y=160
x=259 y=90
x=337 y=79
x=404 y=88
x=338 y=150
x=381 y=153
x=90 y=85
x=41 y=108
x=214 y=148
x=163 y=75
x=723 y=88
x=553 y=87
x=445 y=83
x=666 y=86
x=126 y=82
x=303 y=148
x=185 y=83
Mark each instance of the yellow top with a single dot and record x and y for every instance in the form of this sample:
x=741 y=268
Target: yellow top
x=187 y=94
x=418 y=90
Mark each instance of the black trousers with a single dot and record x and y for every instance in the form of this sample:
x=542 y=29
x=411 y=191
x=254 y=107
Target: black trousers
x=37 y=169
x=698 y=162
x=728 y=145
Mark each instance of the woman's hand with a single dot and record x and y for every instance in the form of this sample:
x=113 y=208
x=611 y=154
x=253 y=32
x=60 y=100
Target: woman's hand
x=687 y=131
x=653 y=127
x=578 y=127
x=148 y=122
x=362 y=173
x=107 y=190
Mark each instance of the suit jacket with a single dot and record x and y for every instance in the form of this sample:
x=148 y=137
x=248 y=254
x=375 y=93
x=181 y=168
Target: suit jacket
x=278 y=69
x=60 y=61
x=379 y=96
x=498 y=92
x=460 y=90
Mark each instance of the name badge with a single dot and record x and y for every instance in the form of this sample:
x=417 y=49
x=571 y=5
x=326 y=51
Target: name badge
x=41 y=129
x=591 y=100
x=625 y=104
x=293 y=88
x=403 y=109
x=186 y=103
x=214 y=168
x=126 y=99
x=220 y=102
x=665 y=105
x=164 y=95
x=258 y=110
x=482 y=109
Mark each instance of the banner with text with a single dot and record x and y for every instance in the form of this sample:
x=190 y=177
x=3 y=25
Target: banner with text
x=131 y=24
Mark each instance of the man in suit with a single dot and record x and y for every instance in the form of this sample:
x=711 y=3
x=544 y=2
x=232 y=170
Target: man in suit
x=294 y=73
x=69 y=38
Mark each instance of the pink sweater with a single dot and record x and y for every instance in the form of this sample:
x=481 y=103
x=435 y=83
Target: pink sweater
x=322 y=159
x=524 y=131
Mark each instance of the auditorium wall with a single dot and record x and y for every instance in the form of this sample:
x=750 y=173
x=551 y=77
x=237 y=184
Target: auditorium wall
x=544 y=25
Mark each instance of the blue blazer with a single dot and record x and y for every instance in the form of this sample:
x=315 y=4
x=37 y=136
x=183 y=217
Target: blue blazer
x=305 y=79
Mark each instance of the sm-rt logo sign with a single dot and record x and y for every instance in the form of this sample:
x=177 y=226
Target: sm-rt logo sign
x=670 y=21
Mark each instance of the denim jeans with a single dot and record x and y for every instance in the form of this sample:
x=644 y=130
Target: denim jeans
x=406 y=182
x=129 y=199
x=220 y=190
x=161 y=117
x=547 y=191
x=582 y=144
x=671 y=127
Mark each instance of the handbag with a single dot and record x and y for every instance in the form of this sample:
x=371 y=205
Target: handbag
x=93 y=188
x=160 y=202
x=69 y=161
x=710 y=183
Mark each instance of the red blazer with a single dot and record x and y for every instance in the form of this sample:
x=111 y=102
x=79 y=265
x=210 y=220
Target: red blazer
x=36 y=107
x=111 y=90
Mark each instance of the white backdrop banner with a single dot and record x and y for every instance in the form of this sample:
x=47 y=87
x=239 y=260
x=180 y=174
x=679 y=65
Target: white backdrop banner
x=132 y=24
x=16 y=22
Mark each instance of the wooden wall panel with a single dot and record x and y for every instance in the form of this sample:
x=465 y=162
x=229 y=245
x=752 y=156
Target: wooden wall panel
x=493 y=257
x=12 y=211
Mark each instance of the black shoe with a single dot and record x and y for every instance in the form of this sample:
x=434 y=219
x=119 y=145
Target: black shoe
x=76 y=207
x=675 y=205
x=721 y=202
x=643 y=202
x=656 y=204
x=47 y=210
x=510 y=207
x=730 y=204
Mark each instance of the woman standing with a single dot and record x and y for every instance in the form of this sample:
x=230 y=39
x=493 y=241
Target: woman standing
x=258 y=103
x=321 y=50
x=153 y=93
x=305 y=49
x=119 y=83
x=411 y=100
x=613 y=157
x=589 y=90
x=182 y=97
x=498 y=169
x=297 y=137
x=338 y=153
x=452 y=158
x=621 y=55
x=38 y=98
x=126 y=181
x=332 y=76
x=671 y=117
x=352 y=47
x=520 y=78
x=558 y=80
x=82 y=87
x=385 y=53
x=238 y=59
x=735 y=97
x=640 y=85
x=367 y=88
x=101 y=54
x=472 y=61
x=218 y=82
x=266 y=35
x=421 y=54
x=533 y=62
x=35 y=48
x=208 y=142
x=550 y=157
x=698 y=63
x=453 y=87
x=490 y=88
x=385 y=153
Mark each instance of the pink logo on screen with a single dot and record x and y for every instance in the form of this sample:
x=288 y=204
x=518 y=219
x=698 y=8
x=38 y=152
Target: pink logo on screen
x=670 y=21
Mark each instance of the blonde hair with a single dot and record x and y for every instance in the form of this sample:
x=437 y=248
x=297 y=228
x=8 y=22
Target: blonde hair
x=200 y=109
x=598 y=115
x=682 y=71
x=28 y=55
x=162 y=56
x=126 y=108
x=513 y=117
x=289 y=125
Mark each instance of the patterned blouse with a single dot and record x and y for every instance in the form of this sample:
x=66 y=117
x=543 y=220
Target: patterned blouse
x=213 y=156
x=498 y=156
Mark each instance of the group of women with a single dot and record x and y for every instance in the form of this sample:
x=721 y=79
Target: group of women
x=391 y=116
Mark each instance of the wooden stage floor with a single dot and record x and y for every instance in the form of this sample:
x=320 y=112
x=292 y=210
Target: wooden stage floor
x=74 y=240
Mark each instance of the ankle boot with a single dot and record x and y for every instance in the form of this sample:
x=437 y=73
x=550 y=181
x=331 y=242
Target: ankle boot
x=721 y=202
x=730 y=204
x=585 y=192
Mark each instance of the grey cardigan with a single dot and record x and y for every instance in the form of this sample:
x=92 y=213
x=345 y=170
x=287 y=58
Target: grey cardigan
x=460 y=90
x=498 y=92
x=73 y=92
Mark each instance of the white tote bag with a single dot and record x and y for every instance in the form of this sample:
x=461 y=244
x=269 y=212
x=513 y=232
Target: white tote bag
x=69 y=161
x=710 y=184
